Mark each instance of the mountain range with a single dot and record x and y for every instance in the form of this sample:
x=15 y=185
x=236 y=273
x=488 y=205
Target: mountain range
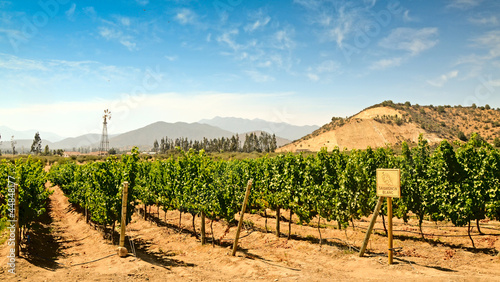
x=144 y=137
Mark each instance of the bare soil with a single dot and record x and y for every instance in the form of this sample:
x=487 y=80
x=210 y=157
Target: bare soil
x=64 y=248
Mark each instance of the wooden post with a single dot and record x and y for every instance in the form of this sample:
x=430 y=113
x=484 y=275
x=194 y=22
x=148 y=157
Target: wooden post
x=16 y=207
x=122 y=251
x=203 y=237
x=389 y=221
x=278 y=221
x=240 y=223
x=370 y=228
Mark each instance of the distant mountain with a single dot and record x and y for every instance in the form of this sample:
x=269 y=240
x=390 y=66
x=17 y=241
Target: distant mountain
x=87 y=140
x=7 y=134
x=239 y=125
x=144 y=137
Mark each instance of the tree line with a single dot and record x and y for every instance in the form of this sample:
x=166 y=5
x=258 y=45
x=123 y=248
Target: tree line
x=253 y=142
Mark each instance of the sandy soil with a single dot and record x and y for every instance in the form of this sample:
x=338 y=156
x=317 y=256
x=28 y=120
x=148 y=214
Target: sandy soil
x=64 y=248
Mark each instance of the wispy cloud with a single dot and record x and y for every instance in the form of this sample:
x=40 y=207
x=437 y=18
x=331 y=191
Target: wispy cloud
x=71 y=12
x=11 y=62
x=441 y=80
x=49 y=76
x=186 y=16
x=142 y=2
x=338 y=21
x=110 y=33
x=283 y=39
x=463 y=4
x=491 y=20
x=411 y=40
x=323 y=70
x=228 y=39
x=258 y=76
x=387 y=63
x=171 y=58
x=490 y=41
x=258 y=20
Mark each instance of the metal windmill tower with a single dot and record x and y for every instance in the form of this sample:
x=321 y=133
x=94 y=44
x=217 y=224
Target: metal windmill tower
x=104 y=148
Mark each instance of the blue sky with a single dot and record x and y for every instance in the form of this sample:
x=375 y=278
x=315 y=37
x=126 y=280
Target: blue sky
x=300 y=61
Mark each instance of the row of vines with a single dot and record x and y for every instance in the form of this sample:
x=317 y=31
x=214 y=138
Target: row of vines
x=31 y=178
x=456 y=184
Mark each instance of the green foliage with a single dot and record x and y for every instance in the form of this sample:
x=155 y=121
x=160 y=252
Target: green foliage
x=458 y=185
x=30 y=177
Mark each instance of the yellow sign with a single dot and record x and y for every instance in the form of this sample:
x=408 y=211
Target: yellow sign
x=389 y=183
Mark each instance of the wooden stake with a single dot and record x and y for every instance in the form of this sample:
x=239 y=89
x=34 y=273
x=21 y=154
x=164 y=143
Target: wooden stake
x=278 y=221
x=16 y=207
x=370 y=228
x=240 y=223
x=122 y=251
x=389 y=221
x=203 y=238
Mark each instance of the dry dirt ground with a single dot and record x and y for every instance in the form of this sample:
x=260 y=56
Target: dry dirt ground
x=64 y=248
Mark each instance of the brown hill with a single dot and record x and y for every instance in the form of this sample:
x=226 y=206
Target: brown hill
x=391 y=124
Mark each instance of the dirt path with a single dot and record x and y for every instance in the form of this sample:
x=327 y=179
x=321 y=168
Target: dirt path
x=64 y=248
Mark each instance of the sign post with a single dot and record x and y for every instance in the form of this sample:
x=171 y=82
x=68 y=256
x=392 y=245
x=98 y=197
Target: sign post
x=389 y=185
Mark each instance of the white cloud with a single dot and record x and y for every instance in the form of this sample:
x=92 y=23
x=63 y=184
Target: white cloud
x=11 y=62
x=258 y=76
x=441 y=80
x=387 y=63
x=90 y=11
x=71 y=12
x=186 y=16
x=172 y=58
x=142 y=2
x=492 y=20
x=283 y=39
x=227 y=38
x=410 y=39
x=110 y=33
x=327 y=68
x=257 y=24
x=313 y=77
x=463 y=4
x=309 y=4
x=124 y=21
x=491 y=41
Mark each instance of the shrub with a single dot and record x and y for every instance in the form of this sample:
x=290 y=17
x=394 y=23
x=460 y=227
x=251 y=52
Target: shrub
x=496 y=142
x=487 y=107
x=462 y=136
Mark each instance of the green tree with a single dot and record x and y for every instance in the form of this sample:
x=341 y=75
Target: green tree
x=46 y=151
x=36 y=147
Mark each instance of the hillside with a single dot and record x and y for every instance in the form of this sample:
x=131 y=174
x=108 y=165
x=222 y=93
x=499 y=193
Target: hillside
x=389 y=123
